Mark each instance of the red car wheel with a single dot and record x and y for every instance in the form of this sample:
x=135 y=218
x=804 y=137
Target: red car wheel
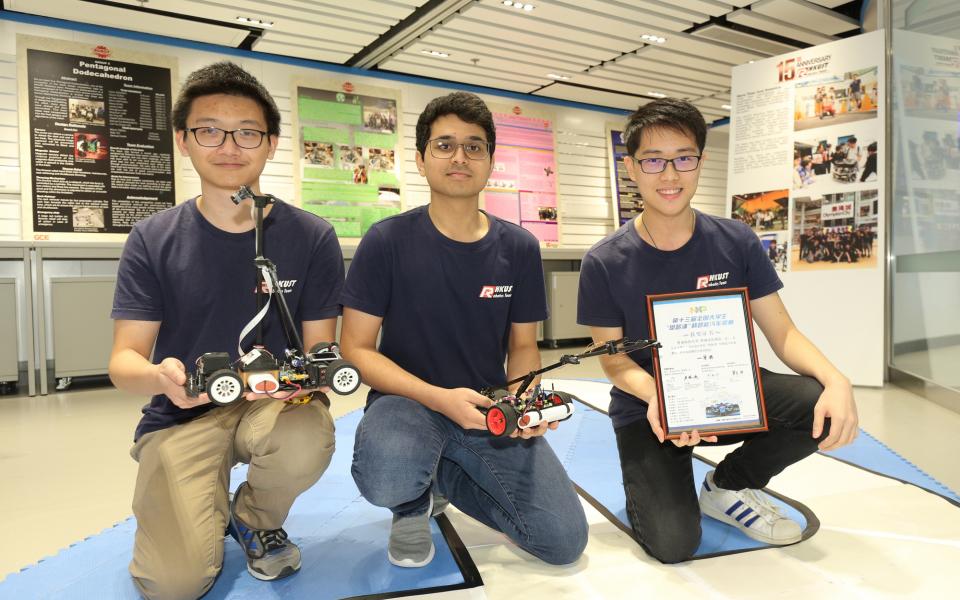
x=501 y=419
x=496 y=421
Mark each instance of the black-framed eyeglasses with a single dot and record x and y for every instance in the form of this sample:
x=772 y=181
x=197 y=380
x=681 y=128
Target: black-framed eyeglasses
x=682 y=164
x=446 y=148
x=211 y=137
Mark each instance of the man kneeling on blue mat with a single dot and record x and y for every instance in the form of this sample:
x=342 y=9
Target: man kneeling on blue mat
x=454 y=292
x=666 y=250
x=186 y=286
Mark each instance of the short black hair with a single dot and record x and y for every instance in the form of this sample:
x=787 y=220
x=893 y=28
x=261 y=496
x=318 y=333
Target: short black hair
x=852 y=138
x=872 y=147
x=670 y=113
x=467 y=107
x=224 y=78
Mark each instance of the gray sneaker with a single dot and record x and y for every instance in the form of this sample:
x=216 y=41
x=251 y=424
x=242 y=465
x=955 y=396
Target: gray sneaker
x=270 y=555
x=411 y=542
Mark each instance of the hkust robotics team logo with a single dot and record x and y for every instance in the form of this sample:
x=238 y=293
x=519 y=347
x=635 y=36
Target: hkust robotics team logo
x=711 y=281
x=283 y=285
x=496 y=291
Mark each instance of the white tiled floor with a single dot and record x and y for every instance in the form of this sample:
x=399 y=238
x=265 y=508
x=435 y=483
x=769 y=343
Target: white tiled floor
x=66 y=475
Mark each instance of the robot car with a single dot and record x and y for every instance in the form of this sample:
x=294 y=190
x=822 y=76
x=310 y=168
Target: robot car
x=522 y=411
x=258 y=370
x=511 y=412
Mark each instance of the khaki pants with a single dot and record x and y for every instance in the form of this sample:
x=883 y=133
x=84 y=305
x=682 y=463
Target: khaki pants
x=181 y=501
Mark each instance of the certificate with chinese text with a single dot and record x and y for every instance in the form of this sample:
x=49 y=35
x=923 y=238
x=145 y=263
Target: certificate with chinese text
x=706 y=369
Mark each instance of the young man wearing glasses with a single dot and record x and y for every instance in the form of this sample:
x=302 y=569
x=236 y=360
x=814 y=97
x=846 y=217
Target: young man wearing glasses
x=454 y=292
x=186 y=286
x=670 y=248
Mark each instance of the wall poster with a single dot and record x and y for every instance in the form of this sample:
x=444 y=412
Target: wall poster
x=348 y=153
x=95 y=131
x=627 y=202
x=806 y=142
x=806 y=174
x=523 y=185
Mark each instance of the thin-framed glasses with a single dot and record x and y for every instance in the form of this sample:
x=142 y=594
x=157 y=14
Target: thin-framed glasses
x=211 y=137
x=446 y=148
x=657 y=165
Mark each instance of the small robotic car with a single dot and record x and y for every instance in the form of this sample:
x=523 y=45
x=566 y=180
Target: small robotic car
x=518 y=411
x=541 y=406
x=258 y=371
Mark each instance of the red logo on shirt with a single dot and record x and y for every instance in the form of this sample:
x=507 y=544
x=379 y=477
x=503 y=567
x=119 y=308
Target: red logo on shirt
x=496 y=291
x=714 y=280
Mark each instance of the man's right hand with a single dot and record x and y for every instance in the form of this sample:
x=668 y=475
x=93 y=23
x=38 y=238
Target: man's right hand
x=172 y=375
x=686 y=439
x=460 y=406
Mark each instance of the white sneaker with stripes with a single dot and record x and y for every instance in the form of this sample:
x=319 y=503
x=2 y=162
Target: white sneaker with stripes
x=750 y=511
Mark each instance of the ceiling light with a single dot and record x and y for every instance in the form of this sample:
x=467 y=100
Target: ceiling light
x=657 y=95
x=653 y=39
x=435 y=53
x=726 y=106
x=557 y=76
x=518 y=5
x=256 y=22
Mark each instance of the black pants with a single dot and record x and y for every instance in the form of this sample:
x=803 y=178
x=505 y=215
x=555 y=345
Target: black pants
x=658 y=480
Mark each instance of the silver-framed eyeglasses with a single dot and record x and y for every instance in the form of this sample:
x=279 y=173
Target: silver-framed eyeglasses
x=446 y=147
x=211 y=137
x=682 y=164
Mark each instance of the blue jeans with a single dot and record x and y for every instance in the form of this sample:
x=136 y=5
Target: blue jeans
x=515 y=486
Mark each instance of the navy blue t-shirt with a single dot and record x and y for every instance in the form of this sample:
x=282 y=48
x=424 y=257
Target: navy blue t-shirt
x=199 y=282
x=620 y=271
x=446 y=306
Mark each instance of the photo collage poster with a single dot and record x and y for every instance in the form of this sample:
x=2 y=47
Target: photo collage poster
x=806 y=142
x=522 y=187
x=96 y=134
x=926 y=104
x=348 y=153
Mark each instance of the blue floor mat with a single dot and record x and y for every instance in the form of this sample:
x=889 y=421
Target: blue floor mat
x=342 y=538
x=867 y=452
x=587 y=447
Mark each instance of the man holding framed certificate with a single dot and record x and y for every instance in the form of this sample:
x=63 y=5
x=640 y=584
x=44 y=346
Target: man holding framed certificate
x=708 y=278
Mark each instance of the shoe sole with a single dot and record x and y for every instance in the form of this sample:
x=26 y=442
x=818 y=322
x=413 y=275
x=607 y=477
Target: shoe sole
x=756 y=535
x=409 y=563
x=286 y=572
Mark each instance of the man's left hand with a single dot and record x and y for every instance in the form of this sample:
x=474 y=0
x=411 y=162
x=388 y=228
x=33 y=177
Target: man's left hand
x=836 y=403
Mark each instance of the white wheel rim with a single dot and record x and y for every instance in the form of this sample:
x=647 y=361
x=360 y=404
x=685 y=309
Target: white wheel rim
x=225 y=389
x=345 y=380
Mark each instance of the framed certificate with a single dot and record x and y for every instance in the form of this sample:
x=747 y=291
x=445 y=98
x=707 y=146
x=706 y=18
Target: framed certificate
x=706 y=369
